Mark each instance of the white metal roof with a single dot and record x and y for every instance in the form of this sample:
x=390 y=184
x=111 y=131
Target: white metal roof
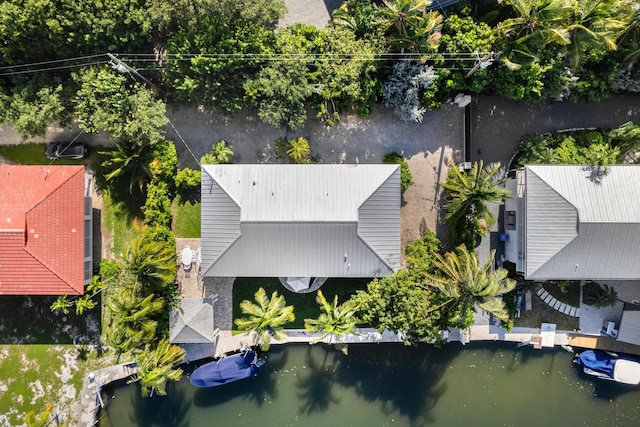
x=578 y=227
x=300 y=220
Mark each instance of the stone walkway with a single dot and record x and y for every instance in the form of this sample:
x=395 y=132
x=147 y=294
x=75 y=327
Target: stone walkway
x=560 y=306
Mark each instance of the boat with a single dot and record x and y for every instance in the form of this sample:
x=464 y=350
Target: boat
x=610 y=366
x=227 y=370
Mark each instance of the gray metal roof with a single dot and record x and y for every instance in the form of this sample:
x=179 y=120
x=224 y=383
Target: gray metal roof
x=581 y=228
x=300 y=220
x=629 y=329
x=193 y=322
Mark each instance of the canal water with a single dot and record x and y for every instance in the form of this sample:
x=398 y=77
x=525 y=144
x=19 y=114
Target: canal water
x=490 y=384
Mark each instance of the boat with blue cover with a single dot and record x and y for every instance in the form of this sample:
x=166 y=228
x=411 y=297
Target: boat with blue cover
x=610 y=366
x=227 y=370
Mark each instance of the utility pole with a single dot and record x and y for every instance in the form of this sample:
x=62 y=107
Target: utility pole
x=120 y=66
x=481 y=63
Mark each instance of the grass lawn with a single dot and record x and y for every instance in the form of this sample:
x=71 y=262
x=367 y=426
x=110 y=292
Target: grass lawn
x=186 y=218
x=305 y=305
x=570 y=295
x=542 y=313
x=123 y=226
x=33 y=154
x=39 y=362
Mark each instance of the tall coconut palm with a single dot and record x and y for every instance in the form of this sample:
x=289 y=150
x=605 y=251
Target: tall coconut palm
x=153 y=264
x=467 y=193
x=158 y=366
x=335 y=321
x=265 y=317
x=133 y=321
x=129 y=164
x=466 y=282
x=409 y=26
x=594 y=27
x=536 y=24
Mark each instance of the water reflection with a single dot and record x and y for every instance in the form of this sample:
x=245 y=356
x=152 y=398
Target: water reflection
x=401 y=379
x=159 y=411
x=315 y=388
x=380 y=385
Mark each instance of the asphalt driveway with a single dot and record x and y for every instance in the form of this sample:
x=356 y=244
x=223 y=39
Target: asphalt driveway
x=497 y=124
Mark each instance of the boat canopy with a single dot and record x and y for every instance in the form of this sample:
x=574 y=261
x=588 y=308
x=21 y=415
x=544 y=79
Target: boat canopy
x=229 y=369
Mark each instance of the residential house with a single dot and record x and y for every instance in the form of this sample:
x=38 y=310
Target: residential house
x=300 y=220
x=45 y=230
x=574 y=222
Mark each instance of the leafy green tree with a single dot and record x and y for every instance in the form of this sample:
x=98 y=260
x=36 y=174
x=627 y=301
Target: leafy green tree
x=464 y=282
x=358 y=16
x=265 y=317
x=409 y=26
x=31 y=113
x=344 y=74
x=157 y=366
x=398 y=304
x=299 y=150
x=419 y=255
x=106 y=101
x=467 y=193
x=228 y=54
x=280 y=89
x=334 y=321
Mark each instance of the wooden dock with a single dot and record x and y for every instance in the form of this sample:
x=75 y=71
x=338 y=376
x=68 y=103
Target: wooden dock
x=602 y=342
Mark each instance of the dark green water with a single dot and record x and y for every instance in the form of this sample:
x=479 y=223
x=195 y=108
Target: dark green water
x=392 y=385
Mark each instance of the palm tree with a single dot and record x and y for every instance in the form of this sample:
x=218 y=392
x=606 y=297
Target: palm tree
x=299 y=150
x=465 y=282
x=157 y=366
x=132 y=318
x=265 y=317
x=409 y=25
x=594 y=27
x=153 y=264
x=335 y=321
x=43 y=419
x=467 y=193
x=535 y=25
x=130 y=164
x=222 y=151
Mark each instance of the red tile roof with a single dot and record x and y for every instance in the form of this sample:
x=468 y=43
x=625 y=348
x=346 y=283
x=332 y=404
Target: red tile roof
x=41 y=230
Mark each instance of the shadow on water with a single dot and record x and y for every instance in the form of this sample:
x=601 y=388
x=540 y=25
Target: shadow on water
x=258 y=389
x=402 y=379
x=160 y=411
x=315 y=389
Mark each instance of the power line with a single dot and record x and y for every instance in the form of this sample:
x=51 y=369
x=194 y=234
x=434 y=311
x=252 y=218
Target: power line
x=55 y=61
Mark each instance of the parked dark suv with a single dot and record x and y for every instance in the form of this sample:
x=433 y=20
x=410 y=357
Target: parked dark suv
x=64 y=150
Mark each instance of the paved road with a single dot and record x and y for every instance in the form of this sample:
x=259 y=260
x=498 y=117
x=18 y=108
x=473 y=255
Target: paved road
x=498 y=123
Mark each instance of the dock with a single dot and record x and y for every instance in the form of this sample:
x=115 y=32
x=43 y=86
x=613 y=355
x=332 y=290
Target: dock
x=602 y=342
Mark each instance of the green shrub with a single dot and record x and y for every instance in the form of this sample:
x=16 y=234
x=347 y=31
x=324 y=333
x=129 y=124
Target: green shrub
x=221 y=152
x=160 y=233
x=188 y=185
x=405 y=174
x=157 y=208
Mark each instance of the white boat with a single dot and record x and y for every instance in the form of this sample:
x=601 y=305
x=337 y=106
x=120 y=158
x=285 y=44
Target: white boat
x=610 y=366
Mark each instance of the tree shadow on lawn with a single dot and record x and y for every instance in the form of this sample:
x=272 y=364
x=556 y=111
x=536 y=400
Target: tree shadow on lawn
x=29 y=320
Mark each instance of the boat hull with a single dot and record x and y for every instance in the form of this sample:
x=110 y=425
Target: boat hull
x=227 y=370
